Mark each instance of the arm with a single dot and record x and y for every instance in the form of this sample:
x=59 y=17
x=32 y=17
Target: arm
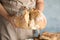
x=4 y=13
x=40 y=5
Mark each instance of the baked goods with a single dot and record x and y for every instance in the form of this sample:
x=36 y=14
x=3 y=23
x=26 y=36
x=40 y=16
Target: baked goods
x=22 y=20
x=37 y=20
x=31 y=19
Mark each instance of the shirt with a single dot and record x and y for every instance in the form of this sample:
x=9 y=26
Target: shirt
x=7 y=30
x=14 y=6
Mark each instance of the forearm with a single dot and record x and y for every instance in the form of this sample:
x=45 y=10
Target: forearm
x=4 y=13
x=40 y=5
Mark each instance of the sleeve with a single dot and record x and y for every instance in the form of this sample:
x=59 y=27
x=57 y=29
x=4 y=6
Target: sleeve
x=4 y=34
x=3 y=31
x=7 y=31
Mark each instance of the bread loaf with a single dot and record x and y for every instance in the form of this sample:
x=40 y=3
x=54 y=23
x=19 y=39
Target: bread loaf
x=37 y=20
x=31 y=19
x=22 y=20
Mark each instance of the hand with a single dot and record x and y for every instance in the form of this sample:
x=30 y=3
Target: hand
x=11 y=20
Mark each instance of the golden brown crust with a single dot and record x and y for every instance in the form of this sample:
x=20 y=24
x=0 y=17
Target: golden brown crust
x=31 y=19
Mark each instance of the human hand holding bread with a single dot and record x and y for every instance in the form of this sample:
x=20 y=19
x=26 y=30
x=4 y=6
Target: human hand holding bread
x=31 y=19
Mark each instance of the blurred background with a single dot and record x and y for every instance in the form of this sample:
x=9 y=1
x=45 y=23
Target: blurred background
x=52 y=13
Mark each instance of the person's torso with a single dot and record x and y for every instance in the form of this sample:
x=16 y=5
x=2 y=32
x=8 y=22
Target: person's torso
x=13 y=6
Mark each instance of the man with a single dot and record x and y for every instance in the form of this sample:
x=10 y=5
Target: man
x=7 y=10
